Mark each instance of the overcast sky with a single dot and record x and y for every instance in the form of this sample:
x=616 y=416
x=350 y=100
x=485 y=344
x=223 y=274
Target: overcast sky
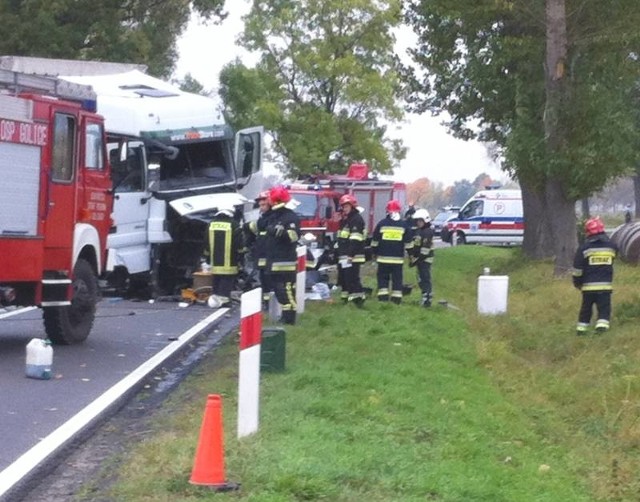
x=433 y=153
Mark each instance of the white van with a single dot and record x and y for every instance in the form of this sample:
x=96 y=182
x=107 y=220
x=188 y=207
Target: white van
x=489 y=217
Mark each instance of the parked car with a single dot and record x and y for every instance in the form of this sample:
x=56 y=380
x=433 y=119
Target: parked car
x=440 y=220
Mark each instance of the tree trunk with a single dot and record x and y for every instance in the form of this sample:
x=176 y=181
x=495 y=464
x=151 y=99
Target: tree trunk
x=537 y=243
x=586 y=212
x=563 y=222
x=560 y=209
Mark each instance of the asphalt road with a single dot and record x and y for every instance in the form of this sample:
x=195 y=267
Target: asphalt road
x=125 y=336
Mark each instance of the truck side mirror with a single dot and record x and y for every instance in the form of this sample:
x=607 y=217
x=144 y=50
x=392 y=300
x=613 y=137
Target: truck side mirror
x=327 y=213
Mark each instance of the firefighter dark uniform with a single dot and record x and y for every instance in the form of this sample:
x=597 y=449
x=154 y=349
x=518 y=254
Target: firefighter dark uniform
x=351 y=237
x=422 y=253
x=225 y=244
x=257 y=230
x=593 y=275
x=391 y=239
x=283 y=231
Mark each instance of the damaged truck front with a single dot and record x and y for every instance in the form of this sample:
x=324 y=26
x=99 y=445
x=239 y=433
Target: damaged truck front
x=174 y=162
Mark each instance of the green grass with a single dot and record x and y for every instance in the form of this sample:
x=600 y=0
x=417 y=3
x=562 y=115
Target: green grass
x=402 y=404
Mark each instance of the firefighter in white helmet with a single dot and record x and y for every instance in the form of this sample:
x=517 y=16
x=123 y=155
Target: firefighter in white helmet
x=422 y=253
x=224 y=252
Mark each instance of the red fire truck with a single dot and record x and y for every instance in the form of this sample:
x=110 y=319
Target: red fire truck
x=318 y=196
x=55 y=202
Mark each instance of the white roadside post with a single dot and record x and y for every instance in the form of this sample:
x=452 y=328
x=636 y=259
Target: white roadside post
x=249 y=362
x=301 y=278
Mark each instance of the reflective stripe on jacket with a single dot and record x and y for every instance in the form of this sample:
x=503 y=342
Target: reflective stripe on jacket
x=390 y=241
x=593 y=264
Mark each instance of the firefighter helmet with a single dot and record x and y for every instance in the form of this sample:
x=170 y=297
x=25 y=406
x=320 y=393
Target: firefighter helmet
x=393 y=206
x=279 y=195
x=421 y=214
x=594 y=226
x=226 y=211
x=348 y=199
x=263 y=195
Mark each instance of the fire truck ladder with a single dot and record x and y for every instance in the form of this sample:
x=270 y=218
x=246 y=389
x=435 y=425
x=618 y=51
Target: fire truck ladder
x=18 y=82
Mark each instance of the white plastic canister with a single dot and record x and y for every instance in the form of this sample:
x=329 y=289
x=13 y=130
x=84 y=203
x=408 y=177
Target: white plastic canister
x=492 y=294
x=39 y=359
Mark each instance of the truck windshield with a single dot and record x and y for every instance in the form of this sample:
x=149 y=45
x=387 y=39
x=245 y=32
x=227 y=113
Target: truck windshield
x=198 y=164
x=308 y=204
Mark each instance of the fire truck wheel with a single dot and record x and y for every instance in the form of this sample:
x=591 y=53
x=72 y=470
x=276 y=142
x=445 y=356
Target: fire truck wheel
x=72 y=324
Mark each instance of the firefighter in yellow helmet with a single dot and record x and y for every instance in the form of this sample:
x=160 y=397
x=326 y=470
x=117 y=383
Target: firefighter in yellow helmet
x=225 y=245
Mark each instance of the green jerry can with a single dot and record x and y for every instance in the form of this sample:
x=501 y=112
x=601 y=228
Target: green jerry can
x=273 y=347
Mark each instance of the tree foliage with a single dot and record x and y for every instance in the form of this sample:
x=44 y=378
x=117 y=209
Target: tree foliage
x=326 y=82
x=139 y=31
x=483 y=62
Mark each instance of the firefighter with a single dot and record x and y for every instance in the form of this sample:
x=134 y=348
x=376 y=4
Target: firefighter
x=224 y=252
x=593 y=275
x=391 y=238
x=422 y=255
x=256 y=232
x=282 y=234
x=350 y=242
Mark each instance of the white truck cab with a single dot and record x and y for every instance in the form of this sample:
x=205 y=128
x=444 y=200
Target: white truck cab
x=489 y=217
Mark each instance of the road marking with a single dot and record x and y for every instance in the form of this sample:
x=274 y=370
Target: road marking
x=4 y=315
x=15 y=472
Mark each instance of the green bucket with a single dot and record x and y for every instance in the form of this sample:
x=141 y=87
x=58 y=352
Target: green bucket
x=273 y=350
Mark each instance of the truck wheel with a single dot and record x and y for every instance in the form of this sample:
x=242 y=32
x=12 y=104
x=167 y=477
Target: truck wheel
x=72 y=324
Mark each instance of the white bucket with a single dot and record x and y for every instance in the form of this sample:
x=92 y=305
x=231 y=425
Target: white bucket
x=492 y=294
x=39 y=359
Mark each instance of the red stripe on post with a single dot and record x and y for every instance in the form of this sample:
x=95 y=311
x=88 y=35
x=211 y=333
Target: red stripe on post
x=302 y=263
x=250 y=330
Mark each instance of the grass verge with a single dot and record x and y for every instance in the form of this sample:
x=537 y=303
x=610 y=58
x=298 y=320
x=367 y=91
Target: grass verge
x=403 y=404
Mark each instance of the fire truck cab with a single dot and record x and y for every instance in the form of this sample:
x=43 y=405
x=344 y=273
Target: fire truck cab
x=55 y=202
x=318 y=197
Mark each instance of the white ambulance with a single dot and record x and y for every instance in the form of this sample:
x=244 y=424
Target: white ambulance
x=489 y=217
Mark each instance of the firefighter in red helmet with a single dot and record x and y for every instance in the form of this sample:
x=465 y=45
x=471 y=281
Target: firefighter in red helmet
x=593 y=275
x=350 y=242
x=282 y=234
x=391 y=239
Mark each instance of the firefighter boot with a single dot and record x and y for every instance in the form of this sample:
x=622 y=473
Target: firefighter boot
x=397 y=300
x=358 y=302
x=426 y=300
x=289 y=316
x=602 y=326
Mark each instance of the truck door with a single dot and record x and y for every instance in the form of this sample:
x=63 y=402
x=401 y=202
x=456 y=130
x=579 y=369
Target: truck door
x=128 y=241
x=248 y=157
x=98 y=202
x=60 y=193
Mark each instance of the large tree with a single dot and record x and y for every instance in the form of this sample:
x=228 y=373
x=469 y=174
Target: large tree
x=140 y=31
x=326 y=82
x=550 y=84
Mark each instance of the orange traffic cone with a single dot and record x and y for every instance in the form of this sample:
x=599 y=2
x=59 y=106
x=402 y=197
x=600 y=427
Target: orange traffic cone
x=208 y=466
